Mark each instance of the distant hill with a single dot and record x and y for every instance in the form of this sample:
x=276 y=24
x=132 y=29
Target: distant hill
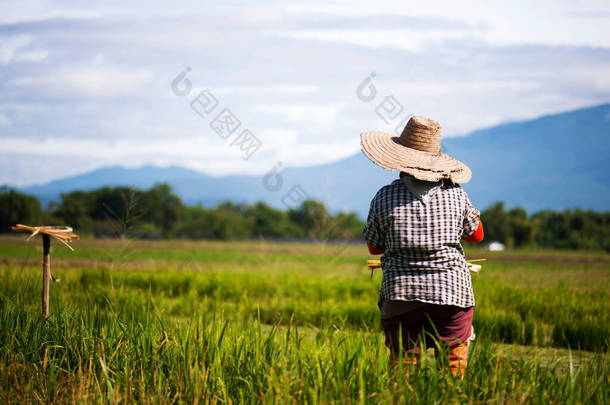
x=557 y=161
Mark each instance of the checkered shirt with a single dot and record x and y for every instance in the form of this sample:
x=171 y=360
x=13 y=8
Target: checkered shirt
x=423 y=258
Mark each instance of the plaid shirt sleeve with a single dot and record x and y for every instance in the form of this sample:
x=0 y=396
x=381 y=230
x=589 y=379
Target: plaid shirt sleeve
x=373 y=231
x=471 y=218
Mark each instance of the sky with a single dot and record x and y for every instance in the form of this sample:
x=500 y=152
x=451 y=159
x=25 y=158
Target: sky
x=227 y=87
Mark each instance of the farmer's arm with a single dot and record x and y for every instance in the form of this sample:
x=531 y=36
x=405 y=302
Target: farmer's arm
x=473 y=227
x=477 y=236
x=373 y=250
x=373 y=231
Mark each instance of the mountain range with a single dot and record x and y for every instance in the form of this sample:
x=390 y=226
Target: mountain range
x=554 y=162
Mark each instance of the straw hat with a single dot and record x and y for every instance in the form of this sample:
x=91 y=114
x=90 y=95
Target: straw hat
x=417 y=151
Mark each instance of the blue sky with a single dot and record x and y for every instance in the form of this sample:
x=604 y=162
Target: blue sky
x=86 y=85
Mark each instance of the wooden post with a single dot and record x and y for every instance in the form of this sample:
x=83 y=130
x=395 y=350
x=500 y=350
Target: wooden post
x=63 y=234
x=46 y=273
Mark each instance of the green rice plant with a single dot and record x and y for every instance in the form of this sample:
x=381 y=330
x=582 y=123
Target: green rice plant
x=132 y=355
x=276 y=323
x=529 y=330
x=498 y=325
x=585 y=334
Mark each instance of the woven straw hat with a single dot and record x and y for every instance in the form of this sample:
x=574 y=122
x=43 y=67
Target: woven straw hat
x=417 y=151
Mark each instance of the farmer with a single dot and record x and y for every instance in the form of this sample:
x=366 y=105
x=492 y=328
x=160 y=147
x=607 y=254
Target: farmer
x=417 y=222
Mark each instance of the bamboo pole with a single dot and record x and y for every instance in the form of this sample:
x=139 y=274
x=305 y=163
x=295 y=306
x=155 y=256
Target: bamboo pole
x=46 y=273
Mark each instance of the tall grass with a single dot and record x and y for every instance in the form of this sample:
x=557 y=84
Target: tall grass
x=275 y=326
x=131 y=353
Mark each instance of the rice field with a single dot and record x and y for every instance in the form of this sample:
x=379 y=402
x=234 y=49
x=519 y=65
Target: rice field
x=250 y=322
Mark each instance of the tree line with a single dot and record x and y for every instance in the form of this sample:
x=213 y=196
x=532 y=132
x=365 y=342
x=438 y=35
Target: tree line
x=569 y=229
x=159 y=213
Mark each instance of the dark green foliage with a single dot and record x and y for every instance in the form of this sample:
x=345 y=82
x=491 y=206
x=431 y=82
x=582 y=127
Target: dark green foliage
x=581 y=333
x=162 y=207
x=570 y=229
x=76 y=209
x=158 y=212
x=271 y=222
x=18 y=208
x=313 y=217
x=495 y=223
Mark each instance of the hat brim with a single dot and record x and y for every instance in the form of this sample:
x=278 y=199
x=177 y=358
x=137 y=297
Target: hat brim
x=386 y=151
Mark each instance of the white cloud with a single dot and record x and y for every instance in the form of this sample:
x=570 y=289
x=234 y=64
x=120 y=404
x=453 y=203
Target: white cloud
x=13 y=49
x=398 y=38
x=119 y=149
x=32 y=56
x=266 y=89
x=11 y=45
x=542 y=22
x=311 y=114
x=21 y=81
x=99 y=81
x=95 y=84
x=21 y=169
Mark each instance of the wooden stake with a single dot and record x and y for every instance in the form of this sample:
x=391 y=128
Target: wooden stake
x=46 y=273
x=63 y=234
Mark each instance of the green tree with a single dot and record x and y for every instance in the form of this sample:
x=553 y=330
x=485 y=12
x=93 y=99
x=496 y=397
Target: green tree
x=519 y=227
x=17 y=208
x=268 y=221
x=75 y=209
x=346 y=226
x=312 y=216
x=495 y=223
x=229 y=221
x=161 y=207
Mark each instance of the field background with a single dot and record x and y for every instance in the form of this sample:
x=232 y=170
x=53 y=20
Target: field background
x=184 y=321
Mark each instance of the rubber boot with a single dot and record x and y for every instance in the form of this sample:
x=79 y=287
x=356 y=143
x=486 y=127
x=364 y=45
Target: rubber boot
x=458 y=359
